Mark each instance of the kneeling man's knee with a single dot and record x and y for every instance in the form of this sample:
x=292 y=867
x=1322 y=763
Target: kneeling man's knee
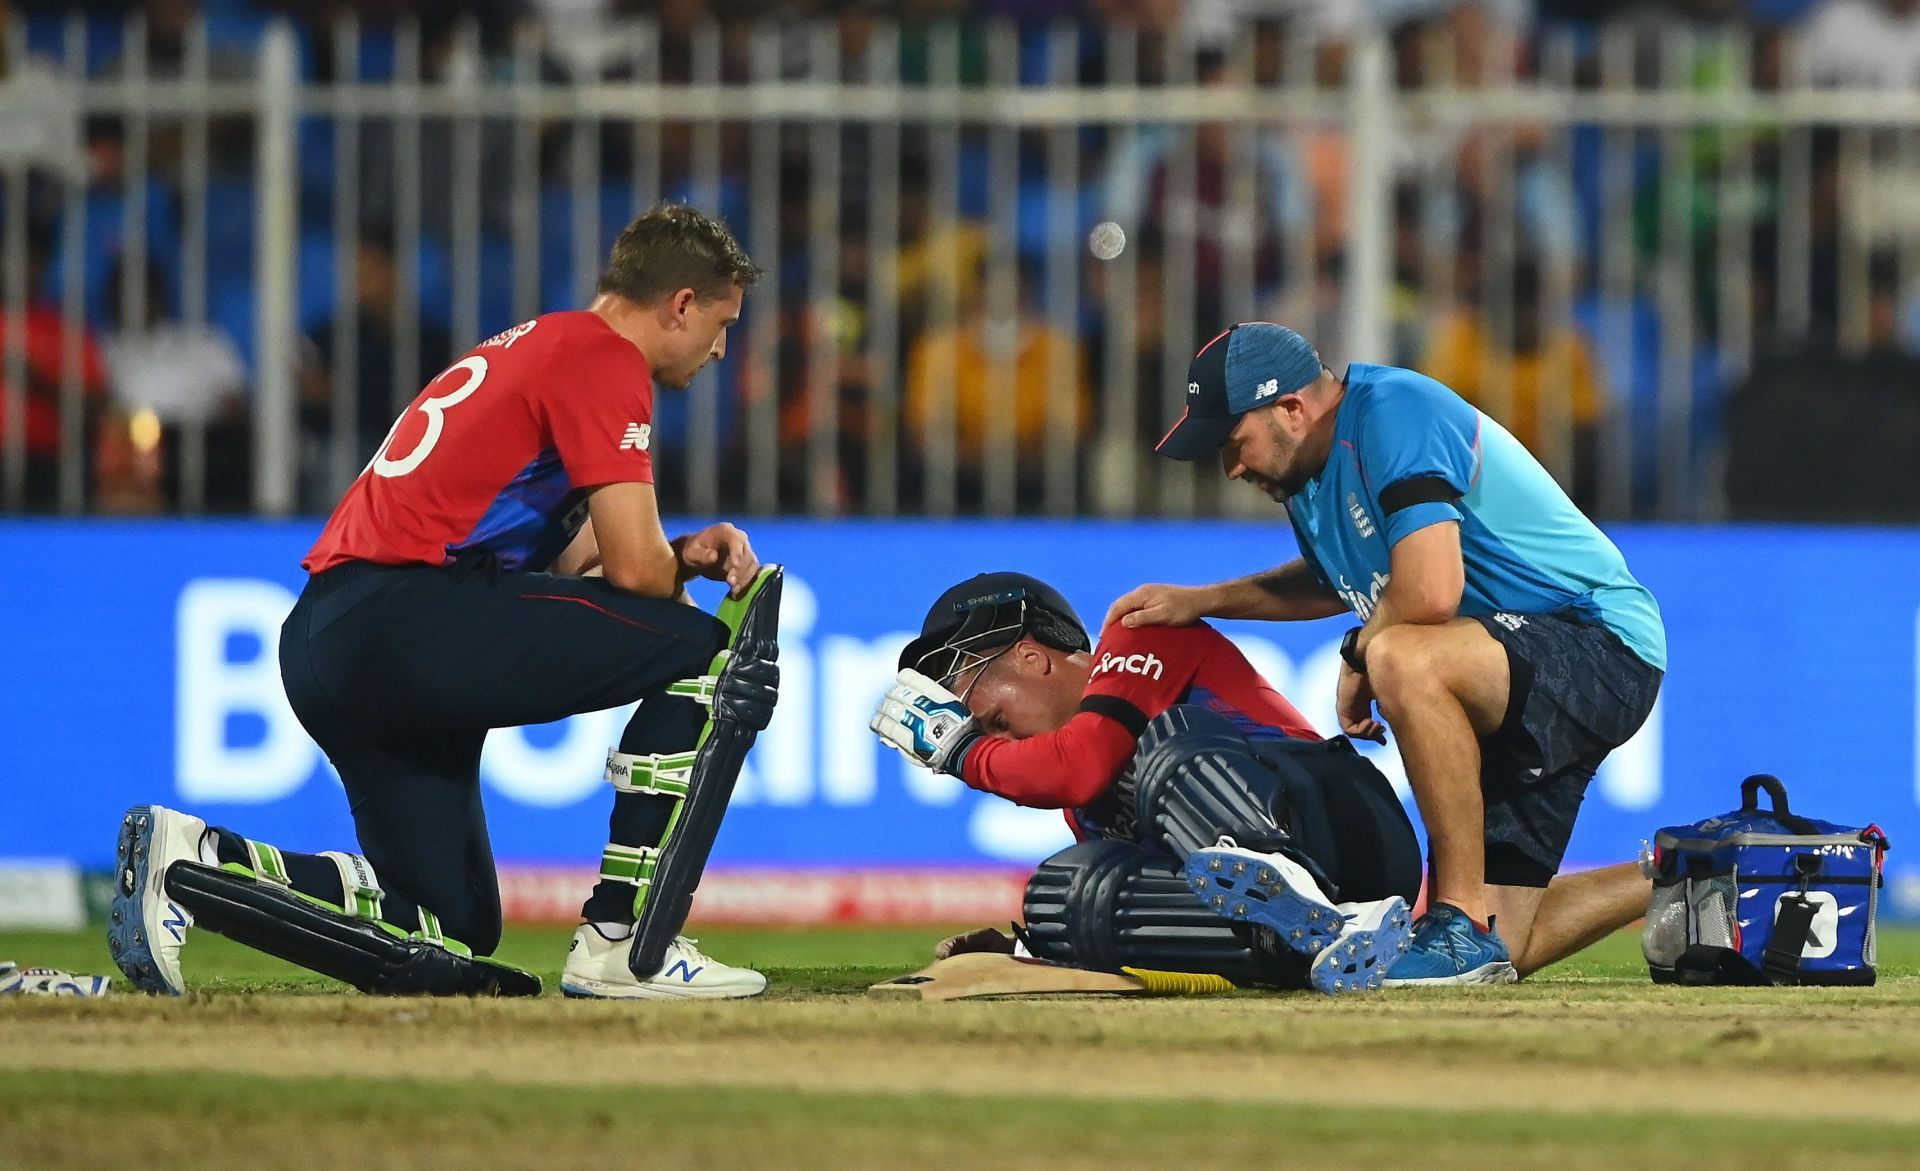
x=1401 y=666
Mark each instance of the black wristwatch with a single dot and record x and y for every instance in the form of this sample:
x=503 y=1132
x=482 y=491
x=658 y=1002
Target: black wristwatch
x=1350 y=651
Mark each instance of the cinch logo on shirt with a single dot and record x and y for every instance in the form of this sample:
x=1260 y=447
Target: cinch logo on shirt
x=1362 y=604
x=1147 y=665
x=638 y=436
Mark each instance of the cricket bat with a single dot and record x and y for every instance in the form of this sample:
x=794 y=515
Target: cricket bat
x=977 y=975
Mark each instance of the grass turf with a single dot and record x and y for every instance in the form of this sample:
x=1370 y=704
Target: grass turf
x=1586 y=1065
x=226 y=1121
x=798 y=962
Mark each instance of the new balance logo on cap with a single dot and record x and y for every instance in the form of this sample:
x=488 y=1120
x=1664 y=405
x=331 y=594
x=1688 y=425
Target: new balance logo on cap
x=1147 y=665
x=638 y=437
x=1267 y=389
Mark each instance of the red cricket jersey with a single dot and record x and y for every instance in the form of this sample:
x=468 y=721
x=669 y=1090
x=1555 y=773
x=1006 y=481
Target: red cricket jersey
x=1138 y=673
x=497 y=453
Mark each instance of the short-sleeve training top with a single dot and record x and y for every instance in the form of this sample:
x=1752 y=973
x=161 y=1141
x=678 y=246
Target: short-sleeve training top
x=1408 y=453
x=498 y=451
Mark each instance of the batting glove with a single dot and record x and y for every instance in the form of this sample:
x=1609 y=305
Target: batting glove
x=925 y=721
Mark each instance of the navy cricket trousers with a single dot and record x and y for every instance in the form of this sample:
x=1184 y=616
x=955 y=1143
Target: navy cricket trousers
x=399 y=672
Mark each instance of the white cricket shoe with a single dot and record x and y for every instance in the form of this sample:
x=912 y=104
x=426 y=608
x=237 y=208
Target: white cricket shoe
x=145 y=927
x=49 y=982
x=1350 y=946
x=597 y=970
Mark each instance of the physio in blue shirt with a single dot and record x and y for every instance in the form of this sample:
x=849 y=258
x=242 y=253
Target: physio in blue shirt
x=1501 y=633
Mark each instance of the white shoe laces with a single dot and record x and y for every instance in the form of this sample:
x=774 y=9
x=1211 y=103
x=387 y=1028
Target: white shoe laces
x=688 y=948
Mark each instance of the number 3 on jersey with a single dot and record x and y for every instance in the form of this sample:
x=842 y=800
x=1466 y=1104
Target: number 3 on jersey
x=435 y=410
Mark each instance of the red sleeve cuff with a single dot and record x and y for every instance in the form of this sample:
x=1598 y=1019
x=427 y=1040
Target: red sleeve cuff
x=1059 y=770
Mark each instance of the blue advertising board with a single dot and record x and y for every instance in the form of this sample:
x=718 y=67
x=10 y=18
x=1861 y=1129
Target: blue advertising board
x=139 y=666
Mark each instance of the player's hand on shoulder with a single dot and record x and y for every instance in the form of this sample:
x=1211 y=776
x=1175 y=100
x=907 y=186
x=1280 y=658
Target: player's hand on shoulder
x=720 y=553
x=1158 y=605
x=926 y=721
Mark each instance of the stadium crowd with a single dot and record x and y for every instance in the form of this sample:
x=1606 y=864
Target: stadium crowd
x=1526 y=307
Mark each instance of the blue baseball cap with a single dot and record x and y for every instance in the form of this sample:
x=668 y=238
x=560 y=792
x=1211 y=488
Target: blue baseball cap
x=1248 y=366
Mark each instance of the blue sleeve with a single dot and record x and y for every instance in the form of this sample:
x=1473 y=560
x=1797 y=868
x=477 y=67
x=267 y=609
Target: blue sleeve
x=1424 y=439
x=1411 y=520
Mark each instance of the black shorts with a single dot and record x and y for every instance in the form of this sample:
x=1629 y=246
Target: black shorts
x=1343 y=813
x=1576 y=693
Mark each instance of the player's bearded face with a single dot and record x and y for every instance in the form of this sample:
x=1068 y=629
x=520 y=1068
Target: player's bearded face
x=1264 y=451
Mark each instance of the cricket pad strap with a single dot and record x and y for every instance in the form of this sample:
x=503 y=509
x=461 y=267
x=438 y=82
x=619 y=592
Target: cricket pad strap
x=663 y=774
x=360 y=895
x=372 y=955
x=739 y=692
x=739 y=685
x=1110 y=905
x=659 y=774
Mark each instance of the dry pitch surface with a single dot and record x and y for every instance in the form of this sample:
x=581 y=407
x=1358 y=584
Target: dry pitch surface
x=1586 y=1066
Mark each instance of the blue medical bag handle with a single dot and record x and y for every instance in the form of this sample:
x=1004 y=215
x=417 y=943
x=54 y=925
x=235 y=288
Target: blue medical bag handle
x=1750 y=802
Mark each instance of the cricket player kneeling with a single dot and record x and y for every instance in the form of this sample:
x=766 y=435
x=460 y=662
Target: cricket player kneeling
x=501 y=562
x=1219 y=833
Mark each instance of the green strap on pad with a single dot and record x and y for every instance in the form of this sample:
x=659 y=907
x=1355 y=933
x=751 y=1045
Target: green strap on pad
x=670 y=774
x=370 y=954
x=363 y=893
x=629 y=864
x=431 y=933
x=700 y=689
x=664 y=774
x=268 y=863
x=660 y=774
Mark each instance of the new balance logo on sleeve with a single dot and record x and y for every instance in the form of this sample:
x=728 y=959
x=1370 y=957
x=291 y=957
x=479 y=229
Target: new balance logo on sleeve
x=638 y=437
x=1147 y=665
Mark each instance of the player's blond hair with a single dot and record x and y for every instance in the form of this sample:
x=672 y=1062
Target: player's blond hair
x=674 y=247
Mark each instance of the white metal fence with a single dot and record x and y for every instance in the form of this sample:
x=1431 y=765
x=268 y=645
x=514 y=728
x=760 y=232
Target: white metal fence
x=1597 y=234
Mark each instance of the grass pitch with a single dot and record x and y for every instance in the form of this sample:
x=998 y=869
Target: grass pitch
x=1586 y=1065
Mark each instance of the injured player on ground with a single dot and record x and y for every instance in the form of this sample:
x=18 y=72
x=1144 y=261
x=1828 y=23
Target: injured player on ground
x=1218 y=831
